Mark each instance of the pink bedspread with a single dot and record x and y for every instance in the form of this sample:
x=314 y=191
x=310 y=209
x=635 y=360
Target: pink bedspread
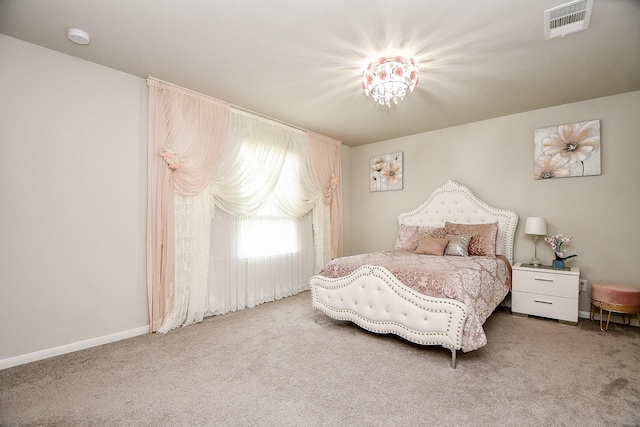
x=479 y=282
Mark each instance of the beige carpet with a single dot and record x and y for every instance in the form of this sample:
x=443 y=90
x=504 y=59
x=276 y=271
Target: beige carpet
x=281 y=364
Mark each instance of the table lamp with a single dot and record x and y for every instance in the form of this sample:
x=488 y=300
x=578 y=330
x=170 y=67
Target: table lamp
x=535 y=226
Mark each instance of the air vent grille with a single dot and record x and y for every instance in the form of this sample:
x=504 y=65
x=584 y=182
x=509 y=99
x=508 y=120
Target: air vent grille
x=568 y=18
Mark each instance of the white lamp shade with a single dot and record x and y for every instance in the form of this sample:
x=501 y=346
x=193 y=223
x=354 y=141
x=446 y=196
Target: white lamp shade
x=536 y=226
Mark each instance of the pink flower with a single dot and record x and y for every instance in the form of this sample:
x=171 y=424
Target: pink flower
x=398 y=71
x=391 y=174
x=412 y=76
x=333 y=182
x=573 y=142
x=378 y=164
x=398 y=59
x=170 y=159
x=551 y=167
x=382 y=60
x=369 y=79
x=556 y=243
x=382 y=75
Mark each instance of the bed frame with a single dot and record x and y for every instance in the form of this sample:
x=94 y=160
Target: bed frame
x=372 y=298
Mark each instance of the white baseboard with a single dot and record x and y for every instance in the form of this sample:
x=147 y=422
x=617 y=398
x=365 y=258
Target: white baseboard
x=69 y=348
x=584 y=314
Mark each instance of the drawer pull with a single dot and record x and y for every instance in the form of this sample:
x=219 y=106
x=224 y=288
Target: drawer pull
x=542 y=279
x=543 y=301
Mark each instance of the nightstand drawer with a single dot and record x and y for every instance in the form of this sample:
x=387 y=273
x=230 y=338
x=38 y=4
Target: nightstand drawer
x=545 y=306
x=546 y=283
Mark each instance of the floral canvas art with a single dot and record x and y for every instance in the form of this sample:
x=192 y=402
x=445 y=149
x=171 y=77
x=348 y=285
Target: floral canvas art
x=567 y=150
x=385 y=172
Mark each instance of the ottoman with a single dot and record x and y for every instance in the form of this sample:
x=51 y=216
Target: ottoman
x=617 y=298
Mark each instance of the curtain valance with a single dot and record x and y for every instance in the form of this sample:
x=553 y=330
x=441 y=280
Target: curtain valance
x=264 y=162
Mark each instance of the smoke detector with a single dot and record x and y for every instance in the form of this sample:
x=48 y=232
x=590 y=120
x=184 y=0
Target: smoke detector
x=567 y=18
x=78 y=36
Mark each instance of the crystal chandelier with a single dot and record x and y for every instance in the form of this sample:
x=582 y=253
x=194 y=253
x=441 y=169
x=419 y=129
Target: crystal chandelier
x=390 y=78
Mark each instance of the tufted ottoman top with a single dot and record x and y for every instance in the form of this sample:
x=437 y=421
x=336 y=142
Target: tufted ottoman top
x=616 y=293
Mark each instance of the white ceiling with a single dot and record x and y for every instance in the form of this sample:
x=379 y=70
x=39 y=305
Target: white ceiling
x=300 y=61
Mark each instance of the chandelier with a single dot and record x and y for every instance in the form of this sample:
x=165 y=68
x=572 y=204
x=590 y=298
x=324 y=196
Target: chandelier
x=389 y=79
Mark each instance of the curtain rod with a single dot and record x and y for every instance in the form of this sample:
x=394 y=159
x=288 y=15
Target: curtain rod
x=158 y=82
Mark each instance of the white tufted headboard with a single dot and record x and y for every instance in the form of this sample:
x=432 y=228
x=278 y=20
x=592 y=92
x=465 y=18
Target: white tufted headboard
x=454 y=202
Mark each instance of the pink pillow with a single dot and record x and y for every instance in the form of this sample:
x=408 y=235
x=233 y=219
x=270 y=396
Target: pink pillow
x=483 y=237
x=431 y=246
x=409 y=236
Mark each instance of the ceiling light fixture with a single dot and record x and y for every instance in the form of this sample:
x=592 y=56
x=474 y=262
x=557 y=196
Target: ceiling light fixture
x=390 y=78
x=78 y=36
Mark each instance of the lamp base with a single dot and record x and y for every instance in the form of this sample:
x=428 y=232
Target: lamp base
x=535 y=262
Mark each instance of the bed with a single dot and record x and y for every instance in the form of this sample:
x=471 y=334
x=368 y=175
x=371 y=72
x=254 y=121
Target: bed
x=422 y=295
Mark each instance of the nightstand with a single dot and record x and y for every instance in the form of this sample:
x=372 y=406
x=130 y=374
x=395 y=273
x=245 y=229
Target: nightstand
x=546 y=292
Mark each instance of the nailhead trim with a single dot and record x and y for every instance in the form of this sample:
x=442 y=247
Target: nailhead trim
x=329 y=284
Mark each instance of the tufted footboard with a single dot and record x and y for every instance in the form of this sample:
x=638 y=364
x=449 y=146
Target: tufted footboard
x=375 y=300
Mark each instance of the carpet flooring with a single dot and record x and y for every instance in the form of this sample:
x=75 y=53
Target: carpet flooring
x=283 y=364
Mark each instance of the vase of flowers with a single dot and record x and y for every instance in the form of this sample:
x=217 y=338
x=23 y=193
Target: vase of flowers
x=556 y=243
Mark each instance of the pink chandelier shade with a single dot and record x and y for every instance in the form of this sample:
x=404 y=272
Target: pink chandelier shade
x=390 y=78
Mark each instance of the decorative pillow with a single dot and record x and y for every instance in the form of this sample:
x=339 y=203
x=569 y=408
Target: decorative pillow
x=483 y=236
x=458 y=244
x=409 y=236
x=431 y=246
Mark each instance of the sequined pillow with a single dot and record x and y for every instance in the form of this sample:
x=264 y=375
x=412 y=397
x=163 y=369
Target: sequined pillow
x=483 y=237
x=458 y=244
x=409 y=236
x=431 y=246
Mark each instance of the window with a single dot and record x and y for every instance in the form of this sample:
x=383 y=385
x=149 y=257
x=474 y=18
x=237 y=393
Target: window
x=267 y=233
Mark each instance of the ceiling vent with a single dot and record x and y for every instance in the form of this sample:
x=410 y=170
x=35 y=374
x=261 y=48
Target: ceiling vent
x=566 y=19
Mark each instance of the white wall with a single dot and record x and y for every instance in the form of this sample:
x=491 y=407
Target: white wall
x=72 y=201
x=346 y=198
x=494 y=158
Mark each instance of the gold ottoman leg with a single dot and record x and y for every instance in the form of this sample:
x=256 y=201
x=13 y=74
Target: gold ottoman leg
x=601 y=319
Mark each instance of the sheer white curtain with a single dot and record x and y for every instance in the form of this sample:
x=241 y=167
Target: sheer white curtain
x=190 y=300
x=255 y=155
x=262 y=233
x=237 y=282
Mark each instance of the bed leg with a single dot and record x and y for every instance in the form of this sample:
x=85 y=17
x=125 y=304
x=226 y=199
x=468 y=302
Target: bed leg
x=453 y=358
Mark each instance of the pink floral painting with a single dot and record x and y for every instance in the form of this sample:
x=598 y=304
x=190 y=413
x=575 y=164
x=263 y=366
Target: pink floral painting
x=385 y=172
x=567 y=150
